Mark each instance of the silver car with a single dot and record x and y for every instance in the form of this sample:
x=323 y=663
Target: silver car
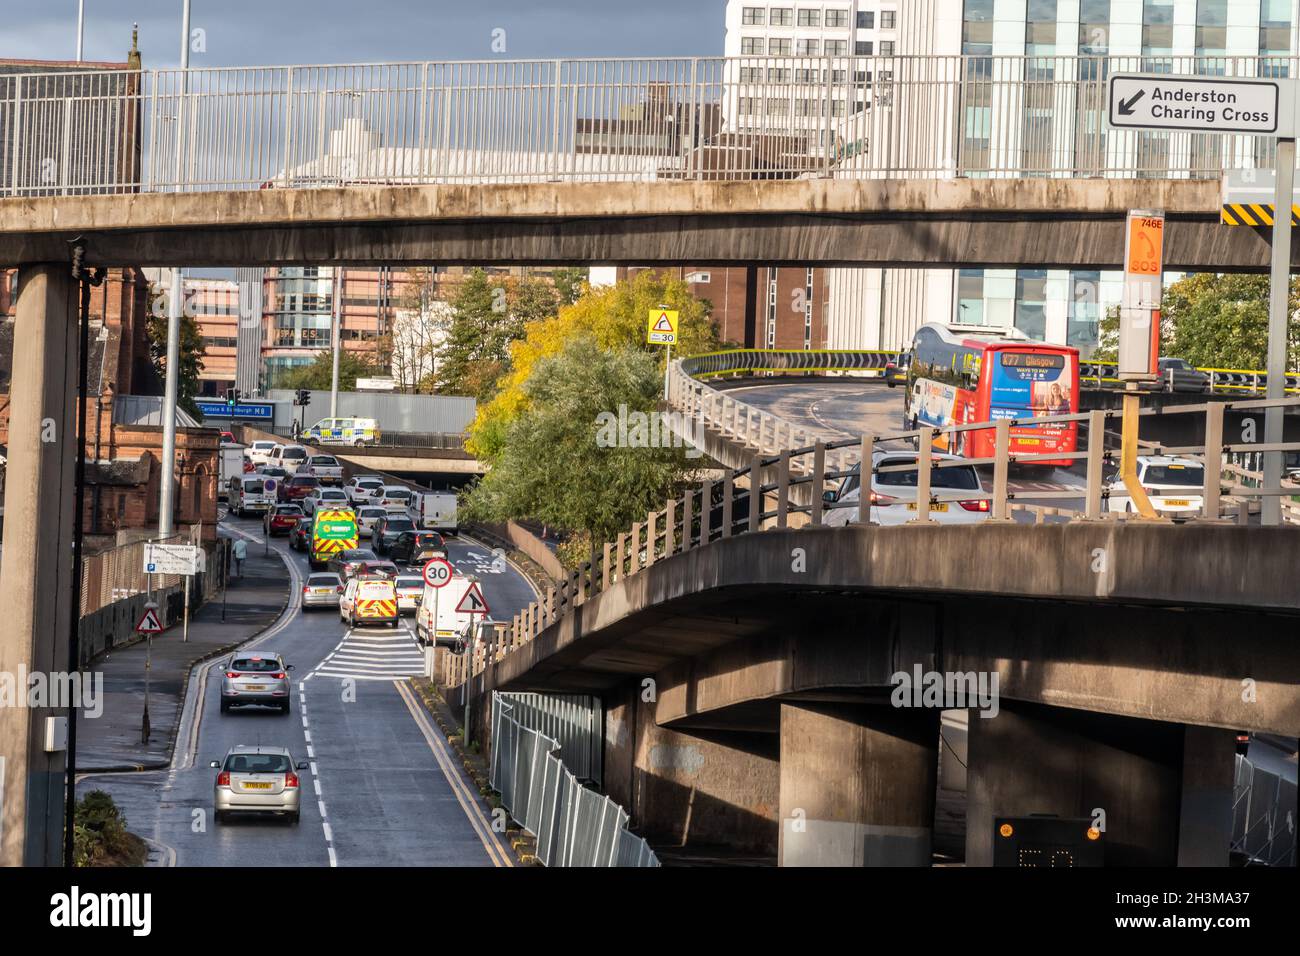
x=255 y=679
x=322 y=590
x=257 y=780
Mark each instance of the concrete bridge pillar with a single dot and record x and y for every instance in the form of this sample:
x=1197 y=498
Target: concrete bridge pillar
x=857 y=784
x=1120 y=771
x=36 y=575
x=1205 y=823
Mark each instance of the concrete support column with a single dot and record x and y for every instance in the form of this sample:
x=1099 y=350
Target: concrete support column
x=36 y=574
x=857 y=785
x=1205 y=824
x=1120 y=771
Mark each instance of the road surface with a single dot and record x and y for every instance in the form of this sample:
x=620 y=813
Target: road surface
x=382 y=788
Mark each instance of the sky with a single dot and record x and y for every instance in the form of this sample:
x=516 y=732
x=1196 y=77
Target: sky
x=278 y=32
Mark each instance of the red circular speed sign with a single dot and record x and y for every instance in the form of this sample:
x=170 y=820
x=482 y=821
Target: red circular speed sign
x=438 y=572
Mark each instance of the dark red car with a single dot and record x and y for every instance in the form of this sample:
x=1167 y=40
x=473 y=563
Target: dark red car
x=297 y=487
x=282 y=519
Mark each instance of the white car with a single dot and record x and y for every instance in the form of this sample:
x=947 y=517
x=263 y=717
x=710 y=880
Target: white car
x=329 y=497
x=367 y=515
x=954 y=491
x=288 y=457
x=394 y=499
x=259 y=452
x=364 y=489
x=410 y=591
x=1174 y=484
x=325 y=467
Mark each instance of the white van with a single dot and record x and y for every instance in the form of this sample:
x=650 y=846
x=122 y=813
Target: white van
x=434 y=511
x=344 y=431
x=288 y=457
x=250 y=494
x=450 y=628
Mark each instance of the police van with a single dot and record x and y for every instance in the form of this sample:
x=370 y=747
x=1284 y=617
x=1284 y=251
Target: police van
x=344 y=431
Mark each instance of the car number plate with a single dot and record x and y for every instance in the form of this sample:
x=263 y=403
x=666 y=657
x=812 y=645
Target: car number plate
x=1177 y=502
x=255 y=785
x=911 y=506
x=254 y=687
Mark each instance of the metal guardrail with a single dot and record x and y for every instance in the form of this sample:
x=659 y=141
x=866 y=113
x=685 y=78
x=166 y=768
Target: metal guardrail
x=1098 y=375
x=783 y=487
x=738 y=118
x=1262 y=832
x=574 y=825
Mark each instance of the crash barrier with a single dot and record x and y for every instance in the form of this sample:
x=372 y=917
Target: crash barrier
x=573 y=824
x=1263 y=816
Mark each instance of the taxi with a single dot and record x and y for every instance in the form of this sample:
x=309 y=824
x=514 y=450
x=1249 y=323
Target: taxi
x=369 y=600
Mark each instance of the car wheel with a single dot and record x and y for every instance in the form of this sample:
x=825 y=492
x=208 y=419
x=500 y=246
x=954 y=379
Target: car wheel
x=284 y=708
x=220 y=816
x=294 y=818
x=225 y=707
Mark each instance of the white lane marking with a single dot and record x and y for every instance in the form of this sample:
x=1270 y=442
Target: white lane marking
x=314 y=771
x=460 y=789
x=316 y=784
x=321 y=804
x=333 y=859
x=329 y=834
x=311 y=752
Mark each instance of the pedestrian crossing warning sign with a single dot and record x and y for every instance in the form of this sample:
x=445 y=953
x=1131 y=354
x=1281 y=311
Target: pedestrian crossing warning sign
x=661 y=329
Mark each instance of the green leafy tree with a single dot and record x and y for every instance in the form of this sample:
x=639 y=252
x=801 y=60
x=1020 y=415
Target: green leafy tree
x=475 y=353
x=1213 y=321
x=570 y=283
x=557 y=464
x=318 y=375
x=191 y=355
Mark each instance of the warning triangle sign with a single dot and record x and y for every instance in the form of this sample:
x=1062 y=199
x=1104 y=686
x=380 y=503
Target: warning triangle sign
x=664 y=324
x=472 y=602
x=149 y=623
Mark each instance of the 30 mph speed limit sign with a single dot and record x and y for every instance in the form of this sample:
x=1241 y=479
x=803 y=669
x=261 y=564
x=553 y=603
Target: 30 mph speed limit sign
x=437 y=573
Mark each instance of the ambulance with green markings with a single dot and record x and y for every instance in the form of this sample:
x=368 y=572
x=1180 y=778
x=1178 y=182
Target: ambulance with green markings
x=332 y=531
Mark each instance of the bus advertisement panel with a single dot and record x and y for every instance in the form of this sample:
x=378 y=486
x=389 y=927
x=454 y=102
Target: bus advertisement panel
x=1038 y=382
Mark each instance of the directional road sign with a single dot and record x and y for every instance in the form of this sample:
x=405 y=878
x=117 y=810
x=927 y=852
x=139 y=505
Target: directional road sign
x=1201 y=104
x=149 y=623
x=472 y=602
x=437 y=573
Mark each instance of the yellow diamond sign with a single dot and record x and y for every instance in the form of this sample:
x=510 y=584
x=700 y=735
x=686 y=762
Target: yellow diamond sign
x=661 y=327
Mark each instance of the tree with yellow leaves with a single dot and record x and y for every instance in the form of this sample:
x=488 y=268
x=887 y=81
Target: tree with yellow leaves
x=614 y=318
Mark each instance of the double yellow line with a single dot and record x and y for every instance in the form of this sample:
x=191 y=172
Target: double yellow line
x=467 y=799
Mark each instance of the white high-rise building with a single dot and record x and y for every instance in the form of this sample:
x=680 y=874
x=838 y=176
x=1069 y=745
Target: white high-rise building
x=879 y=308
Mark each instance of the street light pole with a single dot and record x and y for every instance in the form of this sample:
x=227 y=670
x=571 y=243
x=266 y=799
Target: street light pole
x=81 y=27
x=167 y=484
x=1270 y=506
x=338 y=339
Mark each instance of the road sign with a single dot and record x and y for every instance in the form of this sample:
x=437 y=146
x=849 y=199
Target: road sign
x=1139 y=314
x=437 y=573
x=1247 y=197
x=1200 y=104
x=149 y=623
x=472 y=602
x=1144 y=250
x=269 y=486
x=661 y=327
x=173 y=559
x=257 y=411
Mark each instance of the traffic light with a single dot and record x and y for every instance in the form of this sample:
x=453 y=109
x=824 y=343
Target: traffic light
x=303 y=398
x=232 y=397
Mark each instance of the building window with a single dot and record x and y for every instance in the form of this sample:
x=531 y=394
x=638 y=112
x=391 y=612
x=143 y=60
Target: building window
x=888 y=20
x=866 y=20
x=751 y=46
x=751 y=74
x=810 y=18
x=752 y=16
x=808 y=47
x=837 y=18
x=886 y=47
x=1157 y=35
x=1031 y=302
x=837 y=47
x=778 y=107
x=778 y=46
x=748 y=105
x=863 y=48
x=778 y=75
x=781 y=17
x=1274 y=39
x=1040 y=28
x=1094 y=28
x=1083 y=325
x=977 y=28
x=1211 y=34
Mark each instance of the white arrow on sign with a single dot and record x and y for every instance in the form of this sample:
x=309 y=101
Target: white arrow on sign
x=1156 y=101
x=472 y=602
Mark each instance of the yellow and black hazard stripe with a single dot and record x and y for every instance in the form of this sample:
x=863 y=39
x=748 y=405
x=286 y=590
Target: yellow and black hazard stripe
x=1253 y=214
x=377 y=608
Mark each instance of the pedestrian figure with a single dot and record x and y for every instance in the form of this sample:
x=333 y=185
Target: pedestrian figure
x=240 y=552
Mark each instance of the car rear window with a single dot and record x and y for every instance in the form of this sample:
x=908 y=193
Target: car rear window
x=410 y=583
x=959 y=478
x=258 y=763
x=396 y=493
x=288 y=510
x=325 y=461
x=360 y=554
x=370 y=483
x=320 y=579
x=399 y=524
x=254 y=487
x=429 y=540
x=294 y=453
x=304 y=481
x=1190 y=476
x=372 y=512
x=256 y=665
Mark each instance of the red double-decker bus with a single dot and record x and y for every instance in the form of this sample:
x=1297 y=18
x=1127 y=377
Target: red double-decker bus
x=959 y=375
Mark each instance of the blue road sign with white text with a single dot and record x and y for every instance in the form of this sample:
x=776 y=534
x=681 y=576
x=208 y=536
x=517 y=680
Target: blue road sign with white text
x=259 y=411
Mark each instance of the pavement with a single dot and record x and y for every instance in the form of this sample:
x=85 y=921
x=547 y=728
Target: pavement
x=112 y=741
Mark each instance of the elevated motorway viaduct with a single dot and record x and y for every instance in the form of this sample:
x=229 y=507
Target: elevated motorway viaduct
x=1067 y=223
x=1127 y=657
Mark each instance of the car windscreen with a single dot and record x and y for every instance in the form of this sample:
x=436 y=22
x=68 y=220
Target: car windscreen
x=958 y=478
x=256 y=665
x=258 y=763
x=1190 y=476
